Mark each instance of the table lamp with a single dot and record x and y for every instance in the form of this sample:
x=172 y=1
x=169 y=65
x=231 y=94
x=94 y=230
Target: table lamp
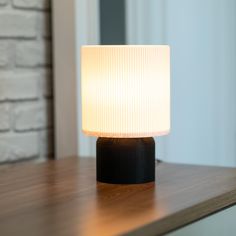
x=125 y=102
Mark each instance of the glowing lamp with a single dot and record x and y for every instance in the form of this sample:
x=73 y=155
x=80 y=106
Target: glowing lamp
x=125 y=102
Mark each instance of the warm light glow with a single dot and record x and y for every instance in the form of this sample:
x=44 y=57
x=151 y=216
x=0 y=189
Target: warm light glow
x=126 y=90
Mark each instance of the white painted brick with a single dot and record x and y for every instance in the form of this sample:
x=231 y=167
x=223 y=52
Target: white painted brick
x=32 y=115
x=16 y=146
x=5 y=53
x=33 y=4
x=17 y=24
x=46 y=142
x=46 y=84
x=4 y=117
x=15 y=86
x=3 y=2
x=21 y=84
x=44 y=24
x=33 y=53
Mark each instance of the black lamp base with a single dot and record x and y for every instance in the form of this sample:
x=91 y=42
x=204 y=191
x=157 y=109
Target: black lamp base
x=125 y=160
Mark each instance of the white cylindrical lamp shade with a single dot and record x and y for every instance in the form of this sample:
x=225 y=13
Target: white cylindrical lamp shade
x=125 y=91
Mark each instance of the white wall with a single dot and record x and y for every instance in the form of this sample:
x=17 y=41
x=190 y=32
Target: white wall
x=202 y=36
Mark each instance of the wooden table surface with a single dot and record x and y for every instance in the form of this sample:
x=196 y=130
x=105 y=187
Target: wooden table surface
x=63 y=198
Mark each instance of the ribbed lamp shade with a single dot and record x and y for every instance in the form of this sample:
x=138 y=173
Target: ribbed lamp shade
x=125 y=91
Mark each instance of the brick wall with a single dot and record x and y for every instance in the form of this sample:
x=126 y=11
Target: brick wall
x=25 y=80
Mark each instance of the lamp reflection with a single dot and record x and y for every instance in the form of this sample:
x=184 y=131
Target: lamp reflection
x=114 y=204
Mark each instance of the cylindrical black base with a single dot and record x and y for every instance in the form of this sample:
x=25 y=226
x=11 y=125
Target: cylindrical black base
x=125 y=160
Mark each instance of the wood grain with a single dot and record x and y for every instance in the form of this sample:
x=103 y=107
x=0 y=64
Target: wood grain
x=62 y=197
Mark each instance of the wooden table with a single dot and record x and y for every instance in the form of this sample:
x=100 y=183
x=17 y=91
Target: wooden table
x=63 y=198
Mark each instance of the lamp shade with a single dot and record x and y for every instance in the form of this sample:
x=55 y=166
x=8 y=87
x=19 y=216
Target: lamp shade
x=125 y=90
